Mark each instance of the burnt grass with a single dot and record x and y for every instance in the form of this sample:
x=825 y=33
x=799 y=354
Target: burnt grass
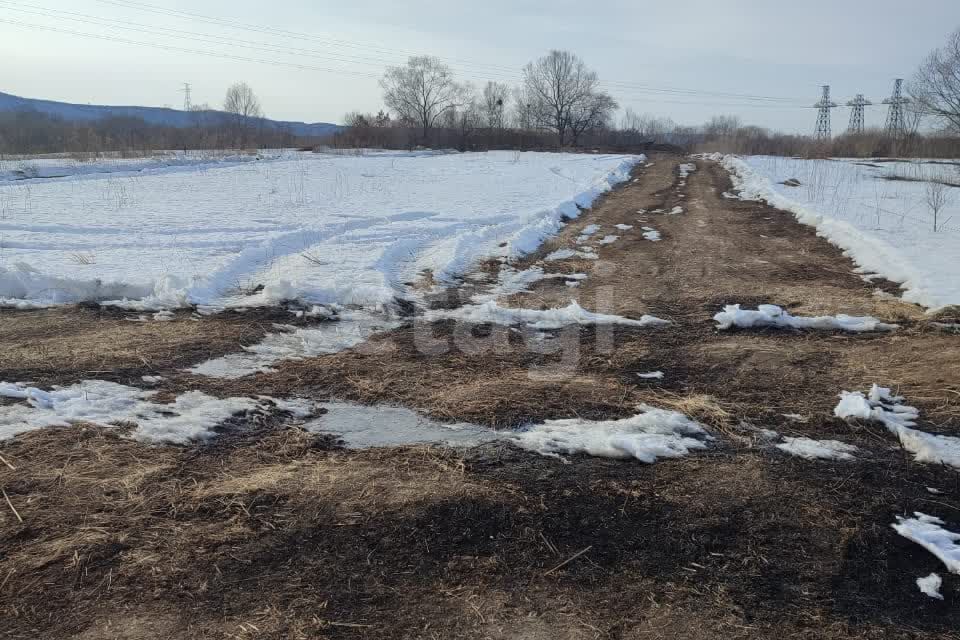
x=271 y=532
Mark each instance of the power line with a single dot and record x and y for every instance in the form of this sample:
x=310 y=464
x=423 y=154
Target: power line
x=628 y=91
x=235 y=24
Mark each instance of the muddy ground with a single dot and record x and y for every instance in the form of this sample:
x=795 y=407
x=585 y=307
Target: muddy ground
x=270 y=532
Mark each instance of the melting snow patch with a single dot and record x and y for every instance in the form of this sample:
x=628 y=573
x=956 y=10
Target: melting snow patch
x=511 y=281
x=651 y=234
x=608 y=239
x=492 y=313
x=296 y=344
x=192 y=416
x=770 y=315
x=586 y=232
x=676 y=210
x=653 y=375
x=362 y=427
x=928 y=533
x=931 y=586
x=624 y=227
x=881 y=406
x=647 y=436
x=817 y=449
x=686 y=169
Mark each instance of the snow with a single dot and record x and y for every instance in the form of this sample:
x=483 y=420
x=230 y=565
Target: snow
x=59 y=168
x=586 y=232
x=928 y=532
x=652 y=375
x=647 y=436
x=651 y=234
x=686 y=169
x=191 y=416
x=296 y=343
x=362 y=427
x=624 y=227
x=770 y=315
x=318 y=228
x=675 y=211
x=880 y=405
x=573 y=314
x=817 y=449
x=884 y=225
x=608 y=239
x=931 y=586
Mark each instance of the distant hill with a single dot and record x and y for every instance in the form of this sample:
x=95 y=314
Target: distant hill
x=152 y=115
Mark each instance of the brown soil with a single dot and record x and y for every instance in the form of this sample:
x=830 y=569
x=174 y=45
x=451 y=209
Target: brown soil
x=269 y=532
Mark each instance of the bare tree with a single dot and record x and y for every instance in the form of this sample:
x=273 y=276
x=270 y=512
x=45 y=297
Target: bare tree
x=494 y=104
x=595 y=112
x=555 y=85
x=244 y=107
x=722 y=127
x=935 y=87
x=421 y=92
x=938 y=197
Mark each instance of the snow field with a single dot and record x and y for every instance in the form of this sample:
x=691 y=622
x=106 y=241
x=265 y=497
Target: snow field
x=321 y=229
x=884 y=225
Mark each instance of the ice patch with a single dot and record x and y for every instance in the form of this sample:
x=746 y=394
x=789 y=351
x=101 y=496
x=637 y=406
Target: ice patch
x=292 y=343
x=817 y=449
x=770 y=315
x=573 y=314
x=362 y=427
x=560 y=254
x=192 y=416
x=647 y=436
x=931 y=586
x=928 y=533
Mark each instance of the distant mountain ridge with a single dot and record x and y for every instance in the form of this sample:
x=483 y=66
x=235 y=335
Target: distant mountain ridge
x=161 y=116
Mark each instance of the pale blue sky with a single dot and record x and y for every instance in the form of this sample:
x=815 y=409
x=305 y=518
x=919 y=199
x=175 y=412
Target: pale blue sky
x=772 y=48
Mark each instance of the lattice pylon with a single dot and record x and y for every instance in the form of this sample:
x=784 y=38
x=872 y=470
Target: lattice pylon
x=896 y=122
x=823 y=114
x=856 y=113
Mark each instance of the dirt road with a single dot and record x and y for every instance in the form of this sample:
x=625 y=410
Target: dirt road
x=272 y=533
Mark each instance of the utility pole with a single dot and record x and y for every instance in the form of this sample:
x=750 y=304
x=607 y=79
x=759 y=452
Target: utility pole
x=823 y=114
x=856 y=114
x=896 y=123
x=186 y=96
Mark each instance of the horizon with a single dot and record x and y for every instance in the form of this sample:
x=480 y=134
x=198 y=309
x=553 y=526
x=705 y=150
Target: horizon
x=753 y=61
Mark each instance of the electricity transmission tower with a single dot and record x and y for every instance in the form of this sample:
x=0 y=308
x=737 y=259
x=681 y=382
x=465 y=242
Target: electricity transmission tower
x=896 y=123
x=856 y=114
x=186 y=96
x=823 y=114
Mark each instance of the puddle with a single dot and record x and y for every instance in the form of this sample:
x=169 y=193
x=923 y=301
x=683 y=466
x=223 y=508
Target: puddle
x=363 y=427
